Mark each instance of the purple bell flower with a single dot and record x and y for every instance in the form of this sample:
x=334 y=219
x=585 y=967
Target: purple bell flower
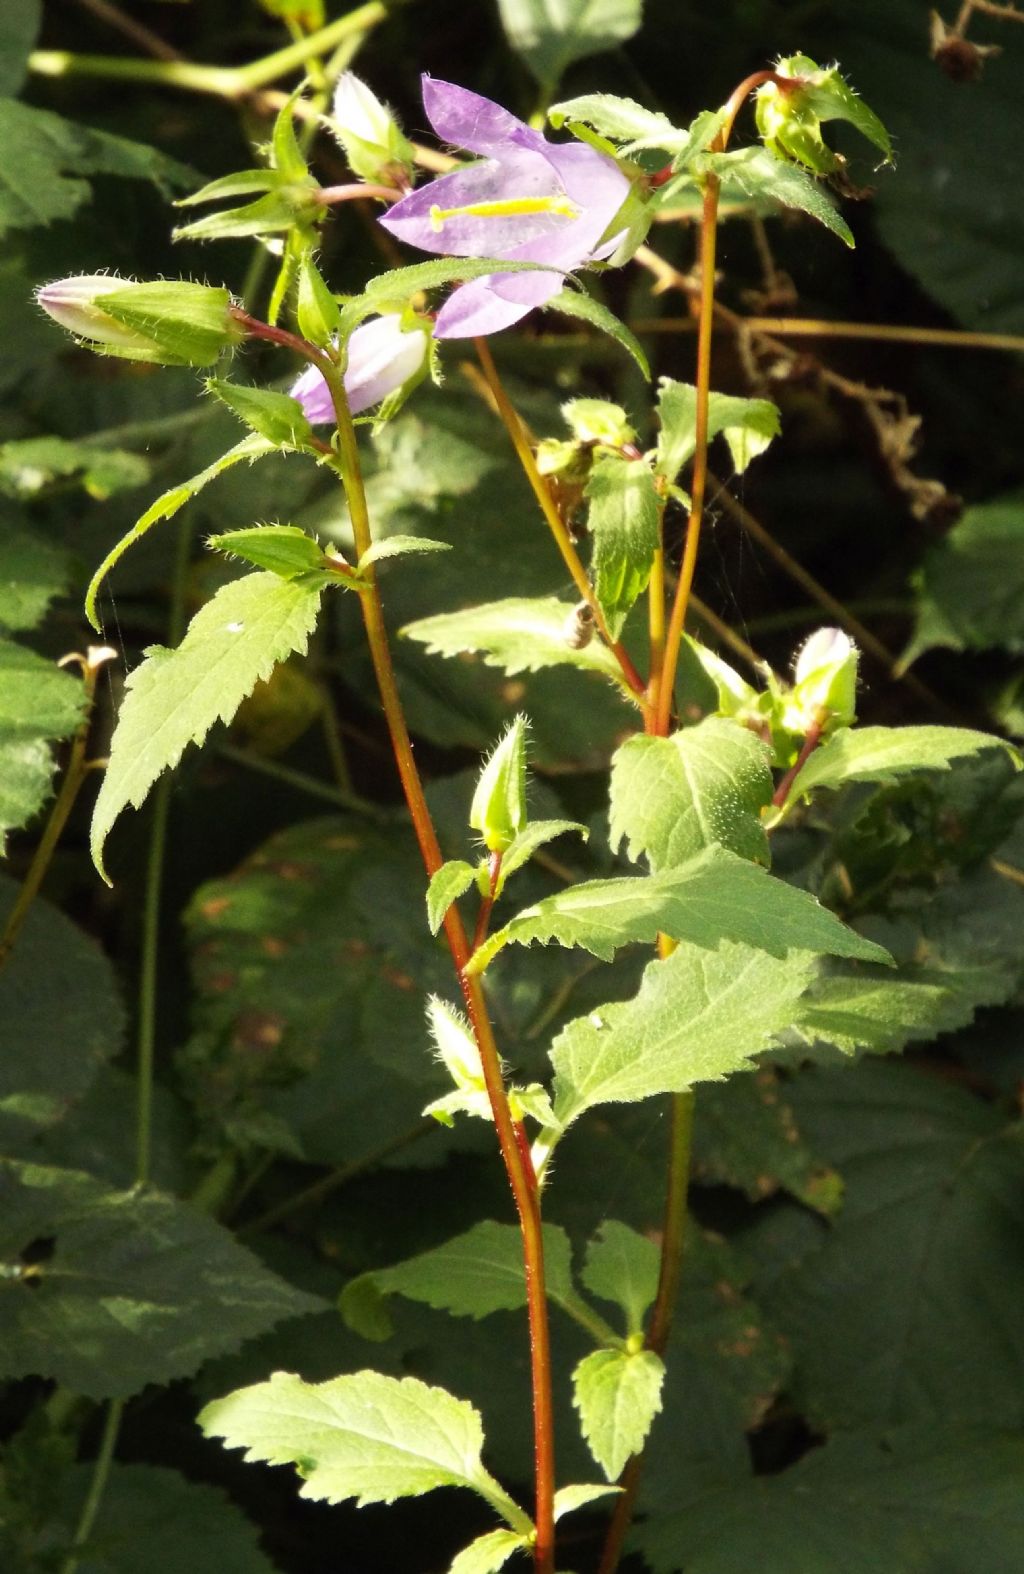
x=527 y=200
x=382 y=357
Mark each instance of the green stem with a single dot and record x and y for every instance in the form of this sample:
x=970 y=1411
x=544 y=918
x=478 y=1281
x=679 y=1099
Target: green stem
x=77 y=769
x=337 y=1178
x=673 y=1241
x=146 y=1037
x=660 y=701
x=220 y=81
x=147 y=1006
x=521 y=1180
x=97 y=1486
x=304 y=783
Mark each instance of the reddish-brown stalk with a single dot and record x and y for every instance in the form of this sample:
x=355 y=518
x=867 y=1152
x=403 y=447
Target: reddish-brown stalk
x=708 y=243
x=658 y=721
x=521 y=1177
x=556 y=524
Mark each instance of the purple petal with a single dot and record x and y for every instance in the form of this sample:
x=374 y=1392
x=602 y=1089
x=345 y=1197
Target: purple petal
x=381 y=357
x=468 y=121
x=520 y=174
x=314 y=396
x=497 y=301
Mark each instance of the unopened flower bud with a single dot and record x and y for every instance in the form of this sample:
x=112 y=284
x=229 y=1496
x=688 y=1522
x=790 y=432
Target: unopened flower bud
x=498 y=810
x=170 y=322
x=374 y=145
x=825 y=688
x=599 y=421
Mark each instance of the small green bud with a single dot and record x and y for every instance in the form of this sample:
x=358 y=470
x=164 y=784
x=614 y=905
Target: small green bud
x=599 y=421
x=825 y=687
x=790 y=115
x=498 y=810
x=374 y=145
x=563 y=458
x=170 y=322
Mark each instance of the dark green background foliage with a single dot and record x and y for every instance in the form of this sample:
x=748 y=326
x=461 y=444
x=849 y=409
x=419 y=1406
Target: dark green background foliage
x=845 y=1390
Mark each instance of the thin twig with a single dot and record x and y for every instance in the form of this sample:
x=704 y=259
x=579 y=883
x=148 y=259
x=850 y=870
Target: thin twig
x=823 y=328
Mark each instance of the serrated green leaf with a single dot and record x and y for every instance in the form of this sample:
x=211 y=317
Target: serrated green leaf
x=748 y=426
x=970 y=588
x=623 y=520
x=365 y=1436
x=34 y=572
x=520 y=634
x=551 y=34
x=621 y=119
x=673 y=797
x=281 y=549
x=451 y=881
x=883 y=1015
x=880 y=754
x=746 y=1136
x=893 y=1317
x=757 y=174
x=911 y=1500
x=45 y=157
x=127 y=1287
x=80 y=1025
x=488 y=1552
x=536 y=834
x=617 y=1394
x=400 y=546
x=39 y=704
x=584 y=308
x=568 y=1499
x=167 y=505
x=276 y=416
x=175 y=696
x=623 y=1267
x=197 y=1527
x=699 y=1016
x=262 y=1070
x=31 y=464
x=715 y=896
x=474 y=1274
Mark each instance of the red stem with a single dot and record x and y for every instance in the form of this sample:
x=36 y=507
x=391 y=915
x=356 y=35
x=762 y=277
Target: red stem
x=483 y=918
x=520 y=1174
x=810 y=743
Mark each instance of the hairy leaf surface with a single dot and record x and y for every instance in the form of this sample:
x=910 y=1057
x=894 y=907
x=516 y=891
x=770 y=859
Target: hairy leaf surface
x=617 y=1394
x=699 y=1016
x=175 y=696
x=714 y=897
x=673 y=797
x=106 y=1291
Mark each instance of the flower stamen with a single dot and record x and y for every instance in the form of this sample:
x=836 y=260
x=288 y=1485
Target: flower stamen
x=506 y=207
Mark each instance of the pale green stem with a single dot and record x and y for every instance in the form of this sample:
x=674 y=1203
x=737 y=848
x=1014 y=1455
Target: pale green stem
x=97 y=1486
x=339 y=796
x=147 y=1006
x=221 y=81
